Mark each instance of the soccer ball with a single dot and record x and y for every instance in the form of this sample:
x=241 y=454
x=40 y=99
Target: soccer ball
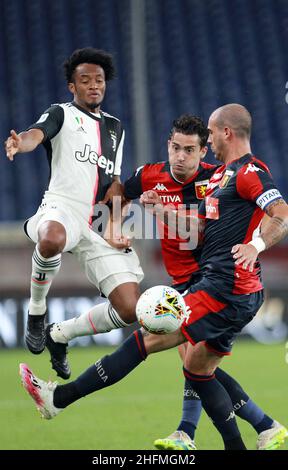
x=161 y=310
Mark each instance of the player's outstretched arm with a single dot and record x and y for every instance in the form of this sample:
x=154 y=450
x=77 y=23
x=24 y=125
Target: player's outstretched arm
x=23 y=142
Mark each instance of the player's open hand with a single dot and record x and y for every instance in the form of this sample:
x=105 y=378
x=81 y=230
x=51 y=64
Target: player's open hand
x=245 y=255
x=12 y=145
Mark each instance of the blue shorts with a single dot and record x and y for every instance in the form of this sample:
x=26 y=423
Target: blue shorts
x=217 y=319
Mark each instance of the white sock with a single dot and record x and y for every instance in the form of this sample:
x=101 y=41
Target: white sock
x=100 y=319
x=43 y=272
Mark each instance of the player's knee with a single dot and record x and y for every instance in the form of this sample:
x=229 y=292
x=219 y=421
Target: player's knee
x=51 y=238
x=49 y=247
x=124 y=302
x=199 y=367
x=128 y=311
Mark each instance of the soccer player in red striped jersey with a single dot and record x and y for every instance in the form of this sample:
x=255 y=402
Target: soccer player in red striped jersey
x=181 y=181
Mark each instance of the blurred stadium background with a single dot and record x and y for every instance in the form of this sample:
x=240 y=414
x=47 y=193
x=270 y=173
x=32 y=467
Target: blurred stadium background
x=172 y=57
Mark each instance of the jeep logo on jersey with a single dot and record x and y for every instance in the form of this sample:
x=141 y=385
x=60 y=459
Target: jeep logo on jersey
x=160 y=187
x=95 y=159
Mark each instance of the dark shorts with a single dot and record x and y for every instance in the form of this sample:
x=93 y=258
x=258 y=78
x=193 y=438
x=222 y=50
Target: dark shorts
x=218 y=318
x=181 y=287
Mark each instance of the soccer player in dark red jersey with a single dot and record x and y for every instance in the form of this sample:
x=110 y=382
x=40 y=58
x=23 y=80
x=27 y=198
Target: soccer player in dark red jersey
x=225 y=299
x=181 y=181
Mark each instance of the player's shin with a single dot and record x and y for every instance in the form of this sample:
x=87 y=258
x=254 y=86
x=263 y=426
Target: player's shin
x=100 y=319
x=105 y=372
x=242 y=403
x=218 y=405
x=191 y=410
x=43 y=272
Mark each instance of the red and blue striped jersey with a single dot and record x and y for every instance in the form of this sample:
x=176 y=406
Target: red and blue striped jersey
x=180 y=264
x=236 y=197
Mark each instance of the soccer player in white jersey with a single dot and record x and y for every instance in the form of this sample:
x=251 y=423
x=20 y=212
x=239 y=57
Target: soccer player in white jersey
x=84 y=147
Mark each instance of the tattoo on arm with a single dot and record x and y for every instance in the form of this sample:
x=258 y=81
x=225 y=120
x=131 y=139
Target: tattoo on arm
x=278 y=202
x=277 y=227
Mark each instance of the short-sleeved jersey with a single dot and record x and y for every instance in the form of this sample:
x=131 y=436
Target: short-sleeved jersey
x=233 y=208
x=180 y=264
x=84 y=152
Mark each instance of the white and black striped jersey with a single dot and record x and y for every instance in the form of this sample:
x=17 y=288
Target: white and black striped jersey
x=84 y=152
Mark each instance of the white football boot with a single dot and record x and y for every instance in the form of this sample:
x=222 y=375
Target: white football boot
x=272 y=438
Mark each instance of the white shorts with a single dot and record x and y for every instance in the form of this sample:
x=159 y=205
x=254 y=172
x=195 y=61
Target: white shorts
x=57 y=212
x=106 y=267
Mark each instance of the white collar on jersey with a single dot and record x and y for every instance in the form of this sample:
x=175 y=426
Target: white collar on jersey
x=98 y=115
x=178 y=181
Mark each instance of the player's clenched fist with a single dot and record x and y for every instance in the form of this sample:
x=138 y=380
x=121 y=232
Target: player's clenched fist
x=150 y=197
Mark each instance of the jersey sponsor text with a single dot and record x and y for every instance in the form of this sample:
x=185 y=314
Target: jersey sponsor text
x=95 y=159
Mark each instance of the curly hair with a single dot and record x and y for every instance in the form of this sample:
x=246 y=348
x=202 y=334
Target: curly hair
x=89 y=55
x=190 y=125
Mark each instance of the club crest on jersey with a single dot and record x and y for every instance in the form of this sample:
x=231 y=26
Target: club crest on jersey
x=201 y=188
x=160 y=187
x=114 y=139
x=251 y=167
x=226 y=178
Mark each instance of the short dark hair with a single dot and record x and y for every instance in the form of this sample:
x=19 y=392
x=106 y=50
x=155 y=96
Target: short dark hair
x=89 y=55
x=190 y=125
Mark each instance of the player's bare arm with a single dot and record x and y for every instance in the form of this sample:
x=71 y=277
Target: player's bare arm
x=23 y=142
x=273 y=231
x=113 y=232
x=156 y=343
x=276 y=227
x=115 y=190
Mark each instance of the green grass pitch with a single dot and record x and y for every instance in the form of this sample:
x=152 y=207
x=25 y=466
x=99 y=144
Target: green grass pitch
x=133 y=413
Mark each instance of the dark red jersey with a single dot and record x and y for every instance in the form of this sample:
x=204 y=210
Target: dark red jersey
x=236 y=197
x=180 y=264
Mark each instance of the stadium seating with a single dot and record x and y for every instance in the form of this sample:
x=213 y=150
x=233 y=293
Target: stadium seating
x=199 y=55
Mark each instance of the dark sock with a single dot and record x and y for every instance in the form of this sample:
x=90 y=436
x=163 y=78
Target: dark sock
x=107 y=371
x=218 y=405
x=188 y=427
x=235 y=444
x=264 y=424
x=191 y=411
x=242 y=403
